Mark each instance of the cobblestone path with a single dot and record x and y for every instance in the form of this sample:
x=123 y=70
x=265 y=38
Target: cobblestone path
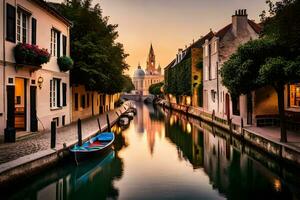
x=41 y=141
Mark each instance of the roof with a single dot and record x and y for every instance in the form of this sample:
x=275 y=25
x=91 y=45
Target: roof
x=256 y=27
x=139 y=73
x=51 y=9
x=171 y=64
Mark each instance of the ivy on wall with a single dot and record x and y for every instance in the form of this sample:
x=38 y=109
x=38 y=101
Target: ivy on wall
x=178 y=79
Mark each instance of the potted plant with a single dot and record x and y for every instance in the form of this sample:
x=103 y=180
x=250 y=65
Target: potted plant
x=65 y=63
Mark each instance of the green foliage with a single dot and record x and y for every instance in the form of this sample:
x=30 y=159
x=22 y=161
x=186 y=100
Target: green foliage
x=65 y=63
x=178 y=79
x=127 y=84
x=283 y=24
x=155 y=89
x=200 y=64
x=98 y=59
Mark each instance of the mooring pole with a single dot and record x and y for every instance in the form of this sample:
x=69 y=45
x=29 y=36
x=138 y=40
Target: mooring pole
x=108 y=124
x=99 y=125
x=53 y=134
x=79 y=131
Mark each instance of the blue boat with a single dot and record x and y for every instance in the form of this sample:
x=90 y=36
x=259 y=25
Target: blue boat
x=96 y=146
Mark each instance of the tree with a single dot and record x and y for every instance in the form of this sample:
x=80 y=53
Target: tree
x=99 y=61
x=271 y=60
x=155 y=89
x=127 y=85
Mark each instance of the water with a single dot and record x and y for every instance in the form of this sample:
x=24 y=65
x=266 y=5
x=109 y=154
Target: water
x=164 y=155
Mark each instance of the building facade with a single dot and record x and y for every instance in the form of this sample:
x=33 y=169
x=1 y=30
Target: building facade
x=90 y=103
x=32 y=96
x=142 y=80
x=187 y=67
x=216 y=51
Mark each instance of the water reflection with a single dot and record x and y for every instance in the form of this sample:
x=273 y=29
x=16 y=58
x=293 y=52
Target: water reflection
x=164 y=155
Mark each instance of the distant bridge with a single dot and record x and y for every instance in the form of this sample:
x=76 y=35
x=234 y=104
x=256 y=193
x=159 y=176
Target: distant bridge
x=135 y=97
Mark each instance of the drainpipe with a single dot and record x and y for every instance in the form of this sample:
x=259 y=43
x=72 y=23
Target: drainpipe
x=4 y=62
x=218 y=93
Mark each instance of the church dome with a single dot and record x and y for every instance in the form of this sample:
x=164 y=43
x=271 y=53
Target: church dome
x=139 y=72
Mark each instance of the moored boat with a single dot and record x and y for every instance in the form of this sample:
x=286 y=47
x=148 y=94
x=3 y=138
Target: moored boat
x=130 y=115
x=123 y=121
x=96 y=146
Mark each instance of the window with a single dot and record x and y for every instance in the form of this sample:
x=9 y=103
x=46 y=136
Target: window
x=294 y=95
x=64 y=45
x=76 y=101
x=83 y=101
x=88 y=100
x=215 y=47
x=236 y=105
x=22 y=26
x=10 y=23
x=213 y=95
x=55 y=43
x=33 y=29
x=55 y=93
x=64 y=88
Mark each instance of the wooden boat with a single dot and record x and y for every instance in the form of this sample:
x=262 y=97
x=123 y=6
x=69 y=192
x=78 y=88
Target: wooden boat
x=133 y=110
x=96 y=146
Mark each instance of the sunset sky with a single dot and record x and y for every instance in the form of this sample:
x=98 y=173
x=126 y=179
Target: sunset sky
x=169 y=24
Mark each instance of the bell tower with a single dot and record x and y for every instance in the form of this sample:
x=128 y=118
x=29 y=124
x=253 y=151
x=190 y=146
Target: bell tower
x=151 y=61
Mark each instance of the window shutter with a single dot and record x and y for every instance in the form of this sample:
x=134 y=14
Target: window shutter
x=64 y=88
x=58 y=93
x=58 y=44
x=51 y=93
x=10 y=23
x=33 y=34
x=64 y=45
x=76 y=101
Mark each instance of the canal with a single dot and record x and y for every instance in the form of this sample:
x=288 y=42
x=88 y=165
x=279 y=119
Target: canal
x=164 y=155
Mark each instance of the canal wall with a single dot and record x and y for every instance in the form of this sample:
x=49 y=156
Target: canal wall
x=275 y=148
x=18 y=170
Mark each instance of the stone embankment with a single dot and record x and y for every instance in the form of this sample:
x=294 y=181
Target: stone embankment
x=33 y=155
x=288 y=152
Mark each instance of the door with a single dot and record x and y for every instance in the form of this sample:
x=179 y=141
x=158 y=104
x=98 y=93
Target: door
x=33 y=117
x=249 y=109
x=227 y=105
x=20 y=104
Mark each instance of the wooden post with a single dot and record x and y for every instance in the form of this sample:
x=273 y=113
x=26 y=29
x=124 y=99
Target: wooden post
x=99 y=125
x=242 y=127
x=53 y=134
x=213 y=116
x=79 y=132
x=117 y=114
x=230 y=126
x=108 y=124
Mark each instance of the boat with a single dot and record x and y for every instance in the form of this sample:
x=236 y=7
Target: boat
x=123 y=121
x=96 y=146
x=87 y=172
x=133 y=110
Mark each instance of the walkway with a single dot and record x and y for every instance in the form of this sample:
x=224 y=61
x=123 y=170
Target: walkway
x=273 y=133
x=41 y=141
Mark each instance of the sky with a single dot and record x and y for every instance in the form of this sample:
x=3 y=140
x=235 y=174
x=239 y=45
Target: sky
x=169 y=24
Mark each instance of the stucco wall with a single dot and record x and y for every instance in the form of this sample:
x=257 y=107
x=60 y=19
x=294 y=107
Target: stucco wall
x=265 y=101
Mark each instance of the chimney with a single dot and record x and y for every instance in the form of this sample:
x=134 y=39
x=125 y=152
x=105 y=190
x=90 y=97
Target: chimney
x=239 y=21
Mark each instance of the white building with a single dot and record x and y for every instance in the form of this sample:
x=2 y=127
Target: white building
x=142 y=80
x=215 y=52
x=32 y=96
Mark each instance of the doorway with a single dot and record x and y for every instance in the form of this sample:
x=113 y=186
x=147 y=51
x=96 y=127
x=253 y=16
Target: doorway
x=20 y=104
x=227 y=105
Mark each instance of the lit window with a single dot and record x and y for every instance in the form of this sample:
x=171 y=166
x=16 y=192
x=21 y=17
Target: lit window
x=294 y=95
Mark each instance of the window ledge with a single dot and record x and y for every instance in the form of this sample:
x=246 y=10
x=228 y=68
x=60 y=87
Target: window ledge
x=58 y=108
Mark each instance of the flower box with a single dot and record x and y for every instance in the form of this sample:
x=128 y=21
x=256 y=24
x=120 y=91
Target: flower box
x=27 y=54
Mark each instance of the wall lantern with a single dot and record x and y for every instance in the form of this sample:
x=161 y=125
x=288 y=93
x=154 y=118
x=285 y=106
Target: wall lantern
x=40 y=81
